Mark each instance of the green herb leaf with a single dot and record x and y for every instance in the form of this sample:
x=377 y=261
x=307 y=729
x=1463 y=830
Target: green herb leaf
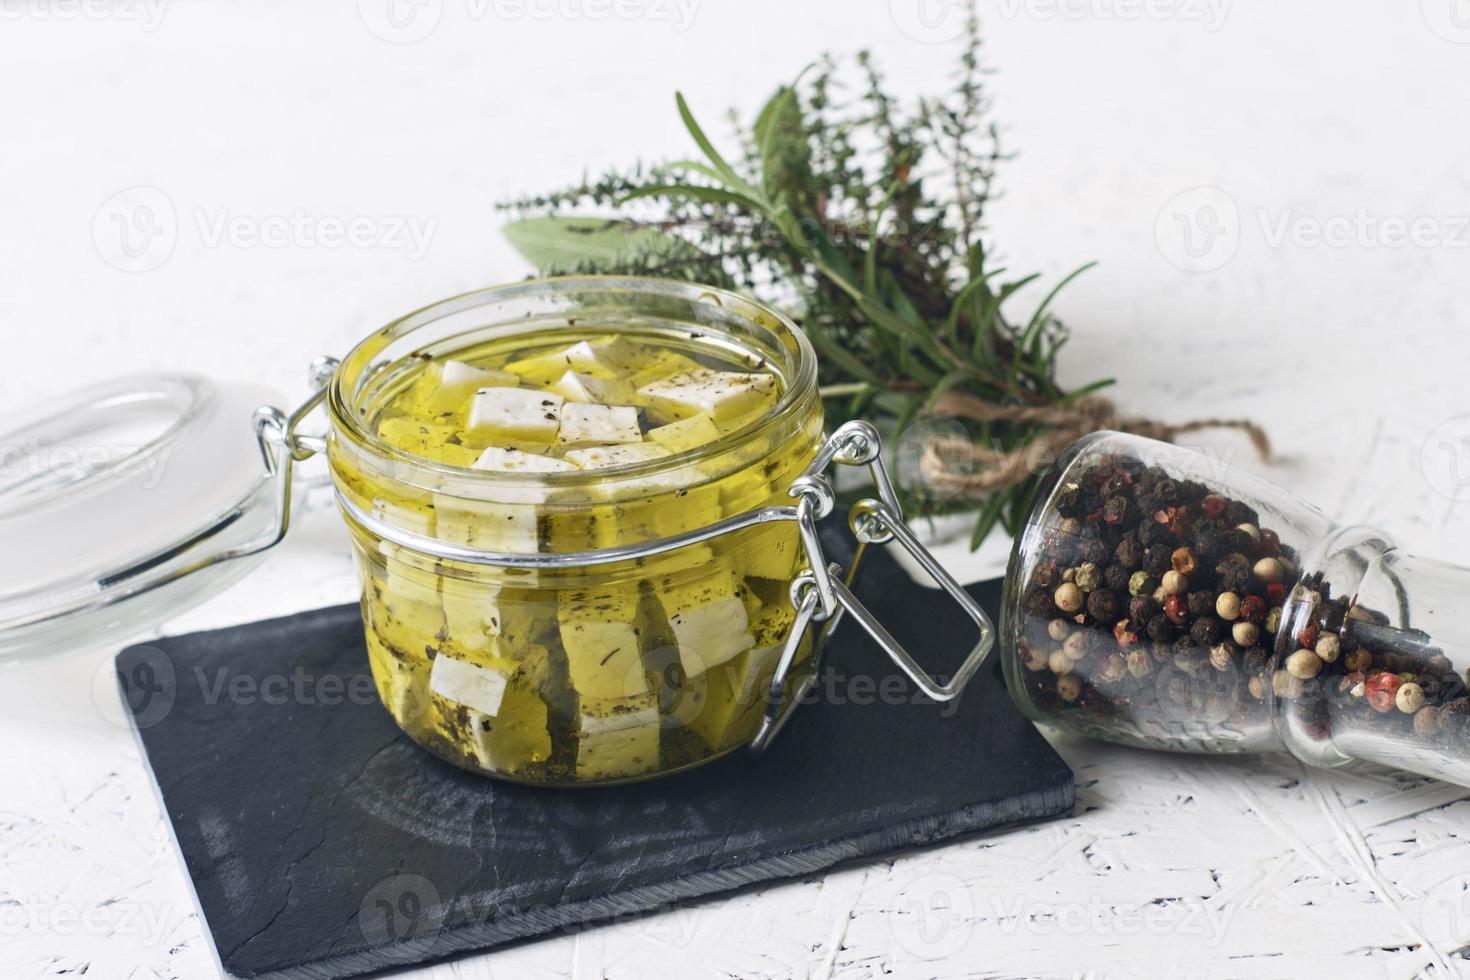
x=557 y=245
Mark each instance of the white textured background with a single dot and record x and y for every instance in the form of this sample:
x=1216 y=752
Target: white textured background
x=1312 y=138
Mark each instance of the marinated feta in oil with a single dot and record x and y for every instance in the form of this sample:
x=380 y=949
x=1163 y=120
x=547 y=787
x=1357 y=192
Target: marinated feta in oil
x=590 y=675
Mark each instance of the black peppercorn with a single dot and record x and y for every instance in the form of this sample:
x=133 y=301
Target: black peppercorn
x=1103 y=605
x=1238 y=512
x=1095 y=551
x=1118 y=484
x=1160 y=630
x=1116 y=577
x=1117 y=510
x=1209 y=543
x=1237 y=579
x=1158 y=560
x=1129 y=553
x=1142 y=608
x=1168 y=492
x=1038 y=601
x=1200 y=603
x=1069 y=502
x=1253 y=661
x=1206 y=631
x=1453 y=715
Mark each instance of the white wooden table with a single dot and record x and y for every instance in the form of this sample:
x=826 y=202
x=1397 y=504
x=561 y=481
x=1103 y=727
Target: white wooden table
x=1314 y=152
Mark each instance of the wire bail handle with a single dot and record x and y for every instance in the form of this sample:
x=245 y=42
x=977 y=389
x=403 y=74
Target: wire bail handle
x=821 y=595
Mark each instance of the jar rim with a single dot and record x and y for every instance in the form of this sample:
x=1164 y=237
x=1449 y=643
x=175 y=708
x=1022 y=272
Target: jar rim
x=799 y=387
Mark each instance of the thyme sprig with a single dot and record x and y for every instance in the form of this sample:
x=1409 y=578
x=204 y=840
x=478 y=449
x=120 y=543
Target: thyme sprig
x=865 y=220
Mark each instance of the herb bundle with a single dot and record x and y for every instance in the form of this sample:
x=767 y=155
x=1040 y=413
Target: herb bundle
x=863 y=219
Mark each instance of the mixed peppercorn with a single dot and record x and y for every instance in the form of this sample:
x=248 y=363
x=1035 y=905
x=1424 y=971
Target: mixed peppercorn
x=1161 y=612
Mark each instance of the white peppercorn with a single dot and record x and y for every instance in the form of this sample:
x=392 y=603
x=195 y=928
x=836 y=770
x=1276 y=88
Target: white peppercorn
x=1174 y=583
x=1058 y=662
x=1304 y=664
x=1227 y=606
x=1410 y=698
x=1069 y=687
x=1058 y=629
x=1068 y=597
x=1328 y=647
x=1245 y=634
x=1269 y=570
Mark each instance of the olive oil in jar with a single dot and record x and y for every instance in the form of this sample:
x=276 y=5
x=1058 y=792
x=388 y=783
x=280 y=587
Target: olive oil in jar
x=591 y=439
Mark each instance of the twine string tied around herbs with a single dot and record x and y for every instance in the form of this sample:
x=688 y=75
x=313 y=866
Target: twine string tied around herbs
x=981 y=469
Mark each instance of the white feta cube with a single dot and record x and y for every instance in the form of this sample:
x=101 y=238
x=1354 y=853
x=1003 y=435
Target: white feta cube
x=498 y=460
x=511 y=415
x=708 y=618
x=718 y=394
x=576 y=386
x=582 y=424
x=602 y=457
x=456 y=381
x=618 y=738
x=685 y=434
x=478 y=688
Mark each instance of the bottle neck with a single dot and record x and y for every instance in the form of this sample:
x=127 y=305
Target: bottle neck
x=1370 y=659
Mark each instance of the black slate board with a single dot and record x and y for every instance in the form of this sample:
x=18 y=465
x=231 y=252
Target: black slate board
x=322 y=843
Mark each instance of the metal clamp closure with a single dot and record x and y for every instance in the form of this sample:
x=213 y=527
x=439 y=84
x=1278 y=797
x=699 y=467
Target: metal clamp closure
x=820 y=594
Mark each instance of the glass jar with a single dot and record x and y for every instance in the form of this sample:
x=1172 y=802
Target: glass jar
x=588 y=672
x=1159 y=598
x=605 y=625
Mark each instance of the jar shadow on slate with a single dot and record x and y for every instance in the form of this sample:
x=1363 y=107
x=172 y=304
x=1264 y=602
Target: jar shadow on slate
x=1158 y=598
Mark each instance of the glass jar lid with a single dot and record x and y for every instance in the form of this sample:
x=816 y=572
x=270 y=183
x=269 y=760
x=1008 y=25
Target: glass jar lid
x=119 y=503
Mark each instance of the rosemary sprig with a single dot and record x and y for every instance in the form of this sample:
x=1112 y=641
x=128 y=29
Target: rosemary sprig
x=864 y=220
